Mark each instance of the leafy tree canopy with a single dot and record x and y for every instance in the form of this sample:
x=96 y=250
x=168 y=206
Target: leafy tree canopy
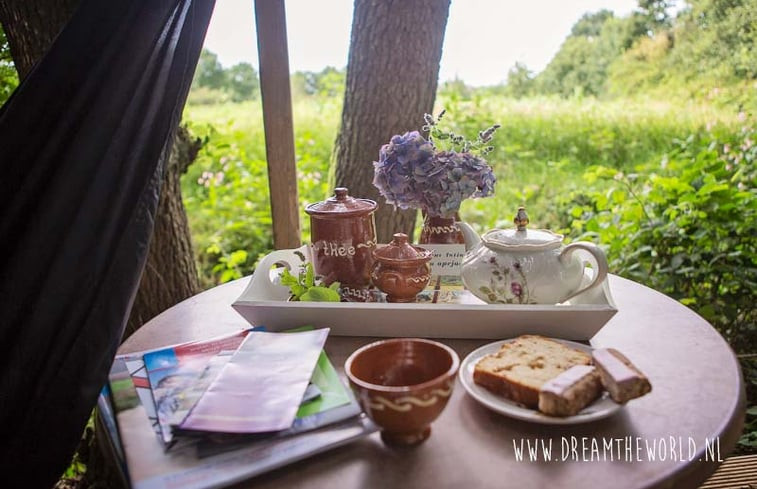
x=590 y=24
x=239 y=82
x=707 y=46
x=329 y=82
x=520 y=81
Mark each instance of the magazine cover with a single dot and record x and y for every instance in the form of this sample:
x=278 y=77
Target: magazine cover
x=180 y=375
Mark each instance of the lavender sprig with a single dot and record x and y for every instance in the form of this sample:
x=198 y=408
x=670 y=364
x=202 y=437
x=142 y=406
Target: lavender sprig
x=440 y=137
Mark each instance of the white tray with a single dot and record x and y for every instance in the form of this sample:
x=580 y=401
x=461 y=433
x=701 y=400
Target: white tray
x=265 y=303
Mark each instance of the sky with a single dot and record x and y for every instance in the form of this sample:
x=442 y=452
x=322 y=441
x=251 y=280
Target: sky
x=484 y=38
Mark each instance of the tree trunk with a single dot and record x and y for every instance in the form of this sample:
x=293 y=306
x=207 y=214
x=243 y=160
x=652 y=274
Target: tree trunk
x=391 y=82
x=170 y=273
x=31 y=26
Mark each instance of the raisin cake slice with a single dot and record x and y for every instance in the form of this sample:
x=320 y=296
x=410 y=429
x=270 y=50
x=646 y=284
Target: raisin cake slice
x=570 y=392
x=520 y=368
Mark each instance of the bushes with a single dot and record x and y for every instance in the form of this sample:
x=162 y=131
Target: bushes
x=226 y=189
x=685 y=225
x=226 y=196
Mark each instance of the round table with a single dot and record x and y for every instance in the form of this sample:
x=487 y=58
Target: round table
x=692 y=418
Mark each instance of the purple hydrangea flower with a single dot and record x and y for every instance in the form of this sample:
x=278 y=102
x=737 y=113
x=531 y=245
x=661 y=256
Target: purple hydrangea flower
x=395 y=170
x=411 y=174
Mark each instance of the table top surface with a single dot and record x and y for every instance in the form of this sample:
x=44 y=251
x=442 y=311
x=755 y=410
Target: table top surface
x=691 y=419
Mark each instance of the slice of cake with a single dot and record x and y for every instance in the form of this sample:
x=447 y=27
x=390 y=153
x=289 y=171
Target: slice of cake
x=619 y=376
x=520 y=368
x=570 y=392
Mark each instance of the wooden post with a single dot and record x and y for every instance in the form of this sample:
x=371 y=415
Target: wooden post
x=270 y=19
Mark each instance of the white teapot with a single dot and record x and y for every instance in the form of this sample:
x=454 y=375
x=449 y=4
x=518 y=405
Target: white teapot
x=520 y=266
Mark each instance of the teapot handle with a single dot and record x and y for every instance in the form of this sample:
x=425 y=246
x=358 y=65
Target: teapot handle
x=600 y=273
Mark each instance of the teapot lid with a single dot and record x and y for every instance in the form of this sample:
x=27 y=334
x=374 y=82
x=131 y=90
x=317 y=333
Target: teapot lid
x=400 y=250
x=341 y=204
x=522 y=238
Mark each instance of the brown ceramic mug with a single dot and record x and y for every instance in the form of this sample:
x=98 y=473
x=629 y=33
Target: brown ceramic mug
x=343 y=236
x=403 y=384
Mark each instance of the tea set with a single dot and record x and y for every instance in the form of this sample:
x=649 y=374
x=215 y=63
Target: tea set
x=503 y=266
x=403 y=384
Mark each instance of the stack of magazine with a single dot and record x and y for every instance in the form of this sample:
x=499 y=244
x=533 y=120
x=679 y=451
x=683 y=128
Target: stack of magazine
x=211 y=413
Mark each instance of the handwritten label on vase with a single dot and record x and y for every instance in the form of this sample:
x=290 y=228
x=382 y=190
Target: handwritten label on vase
x=447 y=258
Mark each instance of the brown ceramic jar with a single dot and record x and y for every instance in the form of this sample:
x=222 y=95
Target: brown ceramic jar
x=343 y=236
x=401 y=269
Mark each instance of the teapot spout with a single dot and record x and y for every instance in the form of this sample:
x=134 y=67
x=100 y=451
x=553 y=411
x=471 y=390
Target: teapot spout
x=471 y=237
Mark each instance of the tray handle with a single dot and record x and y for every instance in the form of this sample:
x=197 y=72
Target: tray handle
x=262 y=280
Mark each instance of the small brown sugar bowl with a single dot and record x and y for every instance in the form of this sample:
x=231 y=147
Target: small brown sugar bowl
x=403 y=384
x=400 y=269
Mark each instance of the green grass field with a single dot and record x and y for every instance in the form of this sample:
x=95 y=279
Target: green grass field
x=543 y=149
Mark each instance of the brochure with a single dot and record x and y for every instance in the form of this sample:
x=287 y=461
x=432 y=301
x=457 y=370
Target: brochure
x=260 y=389
x=335 y=403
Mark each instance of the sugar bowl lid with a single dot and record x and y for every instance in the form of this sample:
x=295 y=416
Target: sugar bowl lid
x=341 y=204
x=399 y=250
x=520 y=237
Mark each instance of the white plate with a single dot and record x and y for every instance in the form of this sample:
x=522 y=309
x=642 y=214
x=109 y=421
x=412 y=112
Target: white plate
x=601 y=408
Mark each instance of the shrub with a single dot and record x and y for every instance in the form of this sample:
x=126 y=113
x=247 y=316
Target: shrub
x=226 y=190
x=226 y=196
x=686 y=226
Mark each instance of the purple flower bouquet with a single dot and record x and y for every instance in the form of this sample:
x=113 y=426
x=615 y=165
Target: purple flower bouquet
x=412 y=172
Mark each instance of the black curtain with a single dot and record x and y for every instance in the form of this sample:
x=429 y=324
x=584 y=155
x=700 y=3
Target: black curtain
x=82 y=145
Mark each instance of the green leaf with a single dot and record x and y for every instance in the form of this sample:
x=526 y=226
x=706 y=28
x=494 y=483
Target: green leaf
x=712 y=187
x=237 y=258
x=298 y=291
x=320 y=294
x=288 y=279
x=309 y=275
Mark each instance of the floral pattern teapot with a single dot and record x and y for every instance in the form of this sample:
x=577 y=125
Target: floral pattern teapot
x=527 y=266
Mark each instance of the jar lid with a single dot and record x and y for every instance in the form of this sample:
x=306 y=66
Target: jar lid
x=520 y=237
x=341 y=204
x=400 y=250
